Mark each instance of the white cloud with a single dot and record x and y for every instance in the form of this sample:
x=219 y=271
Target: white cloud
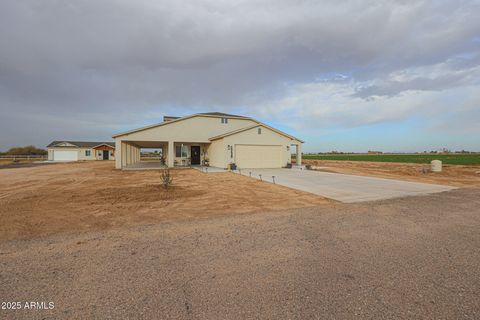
x=335 y=104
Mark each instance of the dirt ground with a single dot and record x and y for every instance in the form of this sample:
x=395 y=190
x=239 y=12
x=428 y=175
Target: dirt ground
x=5 y=163
x=406 y=258
x=76 y=197
x=454 y=175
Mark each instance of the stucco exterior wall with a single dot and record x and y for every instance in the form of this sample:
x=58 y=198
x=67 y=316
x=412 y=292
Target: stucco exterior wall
x=216 y=153
x=82 y=156
x=251 y=137
x=193 y=131
x=80 y=153
x=188 y=148
x=197 y=129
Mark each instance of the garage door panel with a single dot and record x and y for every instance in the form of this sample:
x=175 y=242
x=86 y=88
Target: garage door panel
x=258 y=156
x=65 y=155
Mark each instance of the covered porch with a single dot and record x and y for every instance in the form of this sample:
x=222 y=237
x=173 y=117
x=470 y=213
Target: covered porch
x=172 y=154
x=104 y=152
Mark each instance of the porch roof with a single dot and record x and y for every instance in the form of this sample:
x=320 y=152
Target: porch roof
x=159 y=144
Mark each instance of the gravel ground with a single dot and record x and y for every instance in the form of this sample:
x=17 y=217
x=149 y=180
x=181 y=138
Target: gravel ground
x=409 y=258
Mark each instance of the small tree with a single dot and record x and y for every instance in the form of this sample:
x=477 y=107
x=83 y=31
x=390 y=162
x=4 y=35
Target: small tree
x=166 y=178
x=28 y=150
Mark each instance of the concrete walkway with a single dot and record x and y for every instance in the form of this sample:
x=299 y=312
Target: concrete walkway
x=343 y=187
x=205 y=169
x=145 y=165
x=151 y=165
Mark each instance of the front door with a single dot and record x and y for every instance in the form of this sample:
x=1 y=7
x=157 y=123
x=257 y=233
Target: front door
x=105 y=154
x=195 y=155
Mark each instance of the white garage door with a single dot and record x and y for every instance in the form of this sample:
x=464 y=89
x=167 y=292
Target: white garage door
x=254 y=156
x=65 y=155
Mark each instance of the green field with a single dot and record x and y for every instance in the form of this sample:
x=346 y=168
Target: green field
x=463 y=159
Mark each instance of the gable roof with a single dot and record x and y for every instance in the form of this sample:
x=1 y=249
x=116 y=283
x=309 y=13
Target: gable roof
x=206 y=114
x=211 y=114
x=108 y=144
x=259 y=124
x=82 y=144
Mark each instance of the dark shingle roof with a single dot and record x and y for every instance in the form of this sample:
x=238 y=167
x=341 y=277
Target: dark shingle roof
x=82 y=144
x=169 y=118
x=221 y=114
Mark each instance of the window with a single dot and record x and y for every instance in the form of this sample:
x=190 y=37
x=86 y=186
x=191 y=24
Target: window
x=100 y=153
x=224 y=120
x=87 y=153
x=179 y=152
x=259 y=130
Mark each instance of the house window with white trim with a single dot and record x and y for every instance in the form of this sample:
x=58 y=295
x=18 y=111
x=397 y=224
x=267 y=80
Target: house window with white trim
x=87 y=153
x=181 y=152
x=259 y=130
x=224 y=120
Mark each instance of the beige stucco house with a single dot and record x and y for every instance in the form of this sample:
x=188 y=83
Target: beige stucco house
x=214 y=138
x=80 y=150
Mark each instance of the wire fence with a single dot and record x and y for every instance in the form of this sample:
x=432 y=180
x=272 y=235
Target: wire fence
x=23 y=157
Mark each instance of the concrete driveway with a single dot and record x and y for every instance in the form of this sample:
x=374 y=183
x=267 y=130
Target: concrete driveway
x=343 y=187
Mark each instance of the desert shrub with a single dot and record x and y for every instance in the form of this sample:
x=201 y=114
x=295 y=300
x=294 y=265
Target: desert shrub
x=166 y=178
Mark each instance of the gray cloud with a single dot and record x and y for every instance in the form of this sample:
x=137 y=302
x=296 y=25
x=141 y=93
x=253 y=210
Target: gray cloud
x=447 y=75
x=125 y=63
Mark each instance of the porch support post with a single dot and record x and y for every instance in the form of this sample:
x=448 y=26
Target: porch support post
x=170 y=154
x=118 y=153
x=299 y=154
x=136 y=154
x=124 y=154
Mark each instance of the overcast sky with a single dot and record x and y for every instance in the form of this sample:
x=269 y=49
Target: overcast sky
x=343 y=75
